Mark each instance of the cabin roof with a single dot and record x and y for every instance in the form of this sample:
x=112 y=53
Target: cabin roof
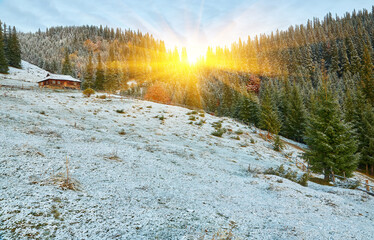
x=51 y=76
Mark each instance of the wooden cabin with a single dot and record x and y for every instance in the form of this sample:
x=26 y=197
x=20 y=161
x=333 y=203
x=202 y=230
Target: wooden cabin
x=60 y=81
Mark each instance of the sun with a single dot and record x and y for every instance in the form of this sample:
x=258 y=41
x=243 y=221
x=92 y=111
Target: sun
x=194 y=54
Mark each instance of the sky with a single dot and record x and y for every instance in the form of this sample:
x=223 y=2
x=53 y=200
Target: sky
x=195 y=24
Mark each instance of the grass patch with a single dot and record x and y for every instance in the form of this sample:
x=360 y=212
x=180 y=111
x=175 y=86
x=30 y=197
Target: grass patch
x=219 y=132
x=120 y=111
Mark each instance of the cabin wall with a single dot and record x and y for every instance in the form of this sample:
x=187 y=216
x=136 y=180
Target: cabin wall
x=52 y=83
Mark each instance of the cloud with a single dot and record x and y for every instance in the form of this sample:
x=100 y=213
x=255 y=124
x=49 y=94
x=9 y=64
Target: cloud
x=195 y=23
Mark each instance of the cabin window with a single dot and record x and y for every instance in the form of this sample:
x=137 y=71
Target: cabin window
x=53 y=82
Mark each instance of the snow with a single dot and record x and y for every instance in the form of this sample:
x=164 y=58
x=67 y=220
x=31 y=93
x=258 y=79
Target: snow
x=27 y=76
x=60 y=77
x=165 y=179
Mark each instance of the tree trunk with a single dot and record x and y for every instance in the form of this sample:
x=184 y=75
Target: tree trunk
x=367 y=169
x=372 y=169
x=327 y=175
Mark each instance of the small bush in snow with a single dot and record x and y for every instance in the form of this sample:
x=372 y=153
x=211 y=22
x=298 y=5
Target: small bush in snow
x=304 y=180
x=219 y=132
x=200 y=123
x=217 y=125
x=192 y=112
x=239 y=132
x=88 y=92
x=120 y=111
x=252 y=141
x=161 y=117
x=278 y=145
x=202 y=114
x=289 y=174
x=122 y=132
x=101 y=96
x=192 y=118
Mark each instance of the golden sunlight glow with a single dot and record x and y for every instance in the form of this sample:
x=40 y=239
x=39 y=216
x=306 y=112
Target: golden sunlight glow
x=194 y=54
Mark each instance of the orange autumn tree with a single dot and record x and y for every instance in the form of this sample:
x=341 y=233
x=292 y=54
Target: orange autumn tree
x=157 y=93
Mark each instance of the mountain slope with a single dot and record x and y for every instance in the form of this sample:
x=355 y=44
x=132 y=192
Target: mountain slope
x=148 y=173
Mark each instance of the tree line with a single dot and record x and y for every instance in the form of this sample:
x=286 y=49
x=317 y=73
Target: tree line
x=312 y=83
x=10 y=50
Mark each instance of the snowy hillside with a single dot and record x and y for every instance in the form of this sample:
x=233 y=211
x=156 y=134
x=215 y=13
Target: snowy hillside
x=27 y=76
x=151 y=171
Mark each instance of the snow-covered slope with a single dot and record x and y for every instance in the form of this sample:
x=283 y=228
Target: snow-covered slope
x=27 y=76
x=142 y=177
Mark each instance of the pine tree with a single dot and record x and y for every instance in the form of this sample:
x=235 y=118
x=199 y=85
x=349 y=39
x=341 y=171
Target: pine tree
x=295 y=118
x=3 y=61
x=249 y=110
x=88 y=74
x=367 y=76
x=363 y=122
x=66 y=67
x=14 y=49
x=99 y=80
x=269 y=119
x=332 y=146
x=366 y=147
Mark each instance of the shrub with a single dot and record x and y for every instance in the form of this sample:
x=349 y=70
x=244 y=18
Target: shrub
x=304 y=180
x=102 y=96
x=192 y=112
x=219 y=132
x=122 y=132
x=278 y=145
x=192 y=118
x=88 y=92
x=252 y=141
x=289 y=174
x=200 y=123
x=161 y=117
x=217 y=125
x=120 y=111
x=239 y=132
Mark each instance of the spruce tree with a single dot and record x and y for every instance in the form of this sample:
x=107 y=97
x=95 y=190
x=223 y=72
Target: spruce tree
x=269 y=119
x=366 y=147
x=367 y=76
x=14 y=49
x=363 y=122
x=331 y=145
x=99 y=80
x=88 y=74
x=66 y=67
x=249 y=110
x=3 y=61
x=295 y=118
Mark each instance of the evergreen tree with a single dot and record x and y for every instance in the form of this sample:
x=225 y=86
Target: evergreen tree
x=330 y=140
x=99 y=80
x=249 y=110
x=88 y=74
x=366 y=147
x=66 y=67
x=14 y=49
x=367 y=76
x=295 y=118
x=269 y=119
x=3 y=61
